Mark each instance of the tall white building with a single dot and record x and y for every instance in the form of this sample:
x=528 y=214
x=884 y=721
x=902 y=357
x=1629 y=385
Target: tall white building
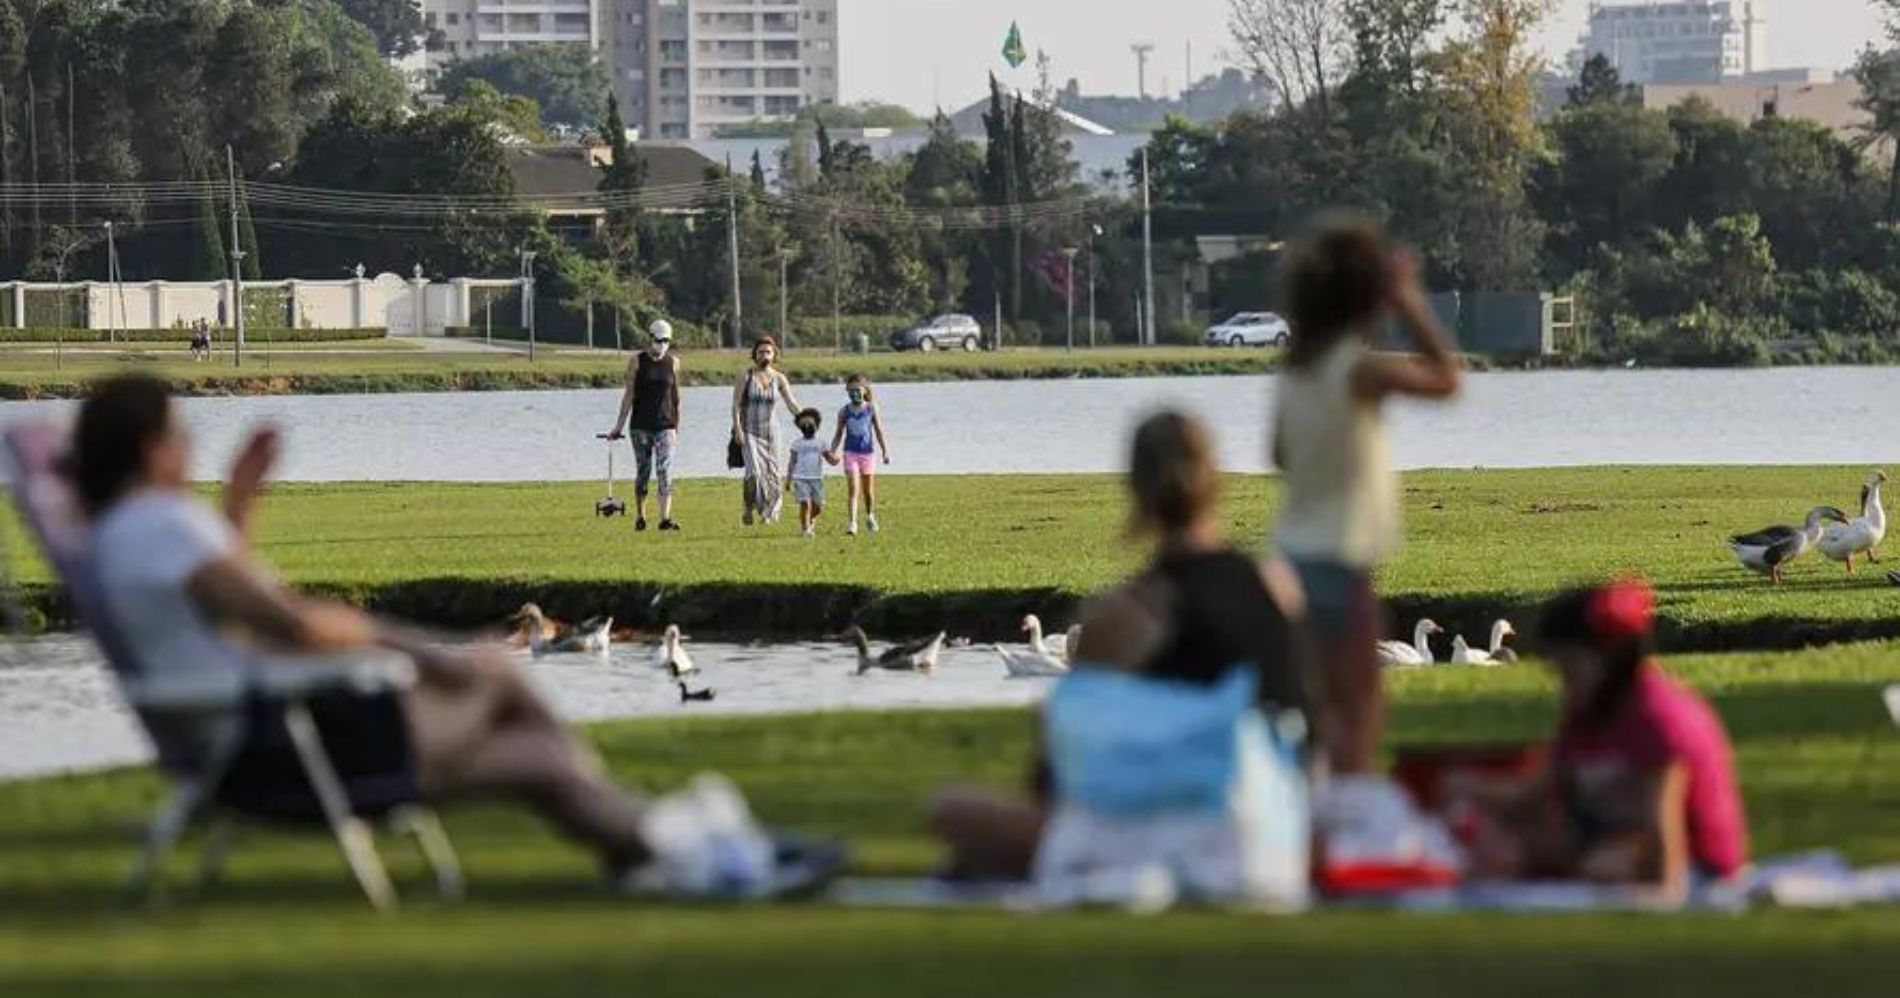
x=683 y=69
x=471 y=28
x=1687 y=41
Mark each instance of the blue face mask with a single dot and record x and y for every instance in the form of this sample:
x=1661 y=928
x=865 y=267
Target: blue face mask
x=857 y=395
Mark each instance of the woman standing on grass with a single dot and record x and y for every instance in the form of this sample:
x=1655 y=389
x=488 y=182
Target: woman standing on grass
x=1340 y=520
x=651 y=403
x=755 y=427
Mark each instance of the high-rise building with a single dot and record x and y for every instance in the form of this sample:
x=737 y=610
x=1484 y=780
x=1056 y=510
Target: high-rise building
x=683 y=69
x=471 y=28
x=1686 y=41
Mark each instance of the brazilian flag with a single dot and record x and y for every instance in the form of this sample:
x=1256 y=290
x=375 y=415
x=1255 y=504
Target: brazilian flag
x=1013 y=51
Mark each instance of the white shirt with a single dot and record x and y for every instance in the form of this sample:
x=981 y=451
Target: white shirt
x=808 y=458
x=1342 y=497
x=145 y=548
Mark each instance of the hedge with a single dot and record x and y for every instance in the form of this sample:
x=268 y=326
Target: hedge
x=817 y=330
x=48 y=334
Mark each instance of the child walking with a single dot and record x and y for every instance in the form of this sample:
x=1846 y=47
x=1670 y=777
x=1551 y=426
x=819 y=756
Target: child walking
x=809 y=458
x=861 y=435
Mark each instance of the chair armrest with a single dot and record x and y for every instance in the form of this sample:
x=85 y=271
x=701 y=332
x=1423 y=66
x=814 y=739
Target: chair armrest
x=285 y=679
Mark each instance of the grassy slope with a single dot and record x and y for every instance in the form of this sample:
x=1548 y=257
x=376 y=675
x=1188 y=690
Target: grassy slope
x=34 y=371
x=1820 y=768
x=972 y=551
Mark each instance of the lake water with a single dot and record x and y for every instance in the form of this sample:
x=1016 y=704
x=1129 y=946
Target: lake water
x=1848 y=415
x=59 y=711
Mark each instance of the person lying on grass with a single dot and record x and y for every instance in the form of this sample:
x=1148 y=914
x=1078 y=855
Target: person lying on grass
x=1201 y=612
x=1640 y=784
x=183 y=585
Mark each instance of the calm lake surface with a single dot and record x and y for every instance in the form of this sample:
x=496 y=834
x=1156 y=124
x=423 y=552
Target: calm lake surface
x=1847 y=415
x=59 y=710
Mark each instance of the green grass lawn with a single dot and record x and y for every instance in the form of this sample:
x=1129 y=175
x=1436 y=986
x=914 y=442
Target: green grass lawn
x=975 y=551
x=1820 y=767
x=36 y=370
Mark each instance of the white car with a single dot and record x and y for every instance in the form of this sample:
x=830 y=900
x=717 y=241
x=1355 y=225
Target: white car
x=1250 y=329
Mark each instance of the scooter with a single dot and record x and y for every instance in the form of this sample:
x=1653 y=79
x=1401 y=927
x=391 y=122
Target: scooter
x=610 y=506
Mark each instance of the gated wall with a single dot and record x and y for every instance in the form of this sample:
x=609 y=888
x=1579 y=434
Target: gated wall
x=403 y=306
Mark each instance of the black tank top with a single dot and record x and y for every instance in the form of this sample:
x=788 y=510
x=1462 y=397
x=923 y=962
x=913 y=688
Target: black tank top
x=1222 y=616
x=656 y=395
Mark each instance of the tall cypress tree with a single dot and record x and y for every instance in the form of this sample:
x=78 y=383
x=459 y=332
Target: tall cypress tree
x=208 y=262
x=758 y=173
x=253 y=264
x=626 y=174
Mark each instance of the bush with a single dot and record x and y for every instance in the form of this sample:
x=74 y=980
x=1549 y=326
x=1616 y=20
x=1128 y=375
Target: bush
x=1181 y=333
x=1850 y=302
x=46 y=334
x=1706 y=337
x=815 y=331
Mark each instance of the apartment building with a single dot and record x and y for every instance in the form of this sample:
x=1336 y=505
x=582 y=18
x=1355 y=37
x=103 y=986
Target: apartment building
x=471 y=28
x=683 y=69
x=1694 y=42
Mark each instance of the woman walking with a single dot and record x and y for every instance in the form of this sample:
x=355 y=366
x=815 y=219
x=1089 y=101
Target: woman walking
x=652 y=403
x=755 y=427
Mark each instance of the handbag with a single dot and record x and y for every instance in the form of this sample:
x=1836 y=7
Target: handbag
x=735 y=453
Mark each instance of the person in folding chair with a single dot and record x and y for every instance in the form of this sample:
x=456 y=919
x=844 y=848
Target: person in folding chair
x=181 y=590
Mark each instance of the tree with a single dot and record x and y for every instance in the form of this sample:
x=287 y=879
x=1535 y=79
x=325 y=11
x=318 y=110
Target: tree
x=1879 y=74
x=518 y=116
x=1299 y=46
x=250 y=70
x=1491 y=82
x=568 y=82
x=209 y=262
x=1610 y=159
x=624 y=175
x=1600 y=83
x=397 y=24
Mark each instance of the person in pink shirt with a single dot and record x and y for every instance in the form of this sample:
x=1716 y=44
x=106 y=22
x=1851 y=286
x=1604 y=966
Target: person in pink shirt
x=1640 y=783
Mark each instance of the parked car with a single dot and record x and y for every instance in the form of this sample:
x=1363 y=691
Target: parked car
x=945 y=332
x=1250 y=329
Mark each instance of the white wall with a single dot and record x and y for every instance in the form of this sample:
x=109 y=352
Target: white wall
x=387 y=302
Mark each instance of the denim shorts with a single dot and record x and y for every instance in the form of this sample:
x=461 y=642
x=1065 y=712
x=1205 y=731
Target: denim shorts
x=1339 y=597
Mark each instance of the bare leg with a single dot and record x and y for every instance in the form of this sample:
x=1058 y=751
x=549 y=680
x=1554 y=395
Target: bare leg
x=481 y=731
x=991 y=836
x=870 y=494
x=851 y=486
x=1354 y=693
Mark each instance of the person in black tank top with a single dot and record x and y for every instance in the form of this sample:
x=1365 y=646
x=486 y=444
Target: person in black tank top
x=650 y=409
x=1200 y=610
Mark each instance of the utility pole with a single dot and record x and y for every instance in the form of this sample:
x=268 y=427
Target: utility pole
x=72 y=157
x=237 y=263
x=118 y=291
x=1094 y=230
x=784 y=262
x=1147 y=255
x=1068 y=290
x=527 y=296
x=732 y=241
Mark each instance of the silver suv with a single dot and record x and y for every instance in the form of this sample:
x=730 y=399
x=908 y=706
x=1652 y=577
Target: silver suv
x=945 y=332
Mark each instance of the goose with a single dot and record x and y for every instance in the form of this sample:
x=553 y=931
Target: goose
x=695 y=696
x=1894 y=577
x=547 y=637
x=1496 y=653
x=671 y=656
x=1419 y=652
x=1863 y=534
x=1057 y=646
x=1771 y=549
x=532 y=627
x=913 y=656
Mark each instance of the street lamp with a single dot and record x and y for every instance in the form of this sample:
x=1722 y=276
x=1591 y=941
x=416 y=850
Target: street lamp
x=1094 y=231
x=1068 y=289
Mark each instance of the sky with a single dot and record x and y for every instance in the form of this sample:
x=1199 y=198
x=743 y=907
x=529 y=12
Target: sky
x=925 y=53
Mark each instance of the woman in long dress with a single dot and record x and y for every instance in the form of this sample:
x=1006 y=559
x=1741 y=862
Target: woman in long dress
x=755 y=426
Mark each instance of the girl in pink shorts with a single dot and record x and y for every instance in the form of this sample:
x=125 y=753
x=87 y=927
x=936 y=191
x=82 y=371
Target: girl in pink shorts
x=860 y=438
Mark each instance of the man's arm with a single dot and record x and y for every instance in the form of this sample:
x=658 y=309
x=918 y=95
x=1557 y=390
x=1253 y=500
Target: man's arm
x=246 y=482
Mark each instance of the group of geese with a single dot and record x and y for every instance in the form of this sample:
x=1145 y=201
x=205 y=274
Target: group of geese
x=542 y=635
x=1399 y=654
x=1771 y=550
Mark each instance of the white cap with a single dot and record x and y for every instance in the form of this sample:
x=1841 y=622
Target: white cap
x=661 y=331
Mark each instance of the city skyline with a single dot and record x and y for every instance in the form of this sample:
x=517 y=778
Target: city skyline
x=1089 y=40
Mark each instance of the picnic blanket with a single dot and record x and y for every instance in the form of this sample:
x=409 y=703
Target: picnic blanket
x=1813 y=880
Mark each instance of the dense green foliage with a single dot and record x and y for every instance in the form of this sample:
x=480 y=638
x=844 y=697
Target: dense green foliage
x=1819 y=767
x=567 y=82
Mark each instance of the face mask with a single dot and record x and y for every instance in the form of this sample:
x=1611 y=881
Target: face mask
x=762 y=359
x=658 y=349
x=857 y=395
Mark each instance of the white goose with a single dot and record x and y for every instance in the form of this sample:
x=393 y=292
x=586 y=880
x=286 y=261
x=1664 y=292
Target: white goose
x=1863 y=534
x=671 y=657
x=593 y=635
x=1419 y=652
x=913 y=656
x=1040 y=658
x=1057 y=646
x=1497 y=653
x=1771 y=549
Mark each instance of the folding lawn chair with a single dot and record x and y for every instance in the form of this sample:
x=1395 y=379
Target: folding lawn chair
x=197 y=733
